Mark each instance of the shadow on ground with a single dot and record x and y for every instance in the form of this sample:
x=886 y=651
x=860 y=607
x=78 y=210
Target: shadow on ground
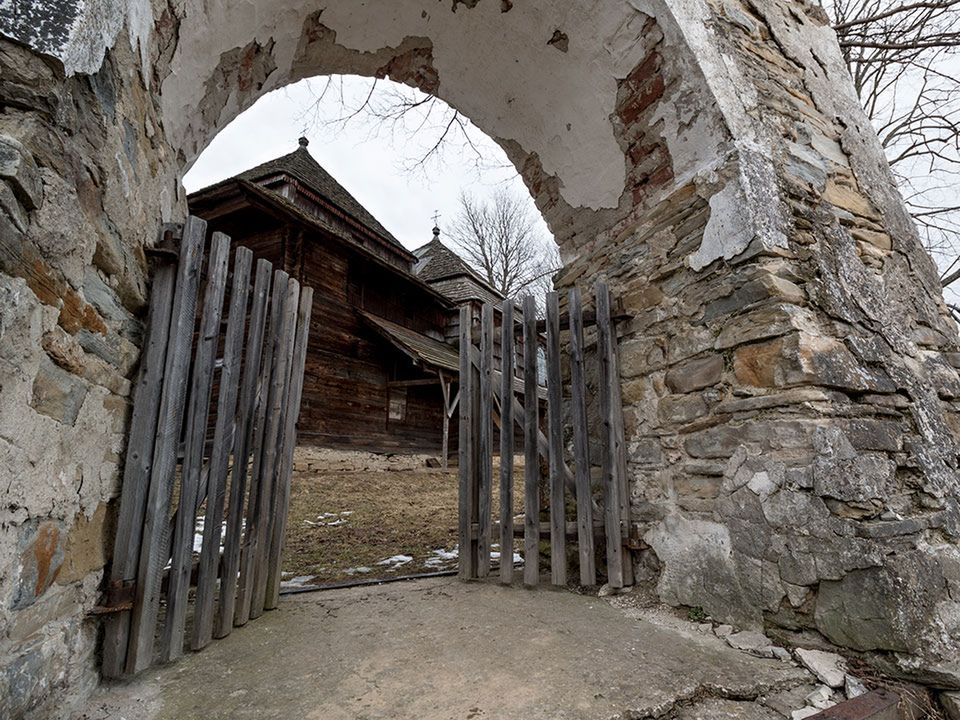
x=439 y=649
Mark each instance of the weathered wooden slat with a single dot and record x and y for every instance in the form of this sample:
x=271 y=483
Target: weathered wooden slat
x=201 y=383
x=558 y=543
x=581 y=443
x=279 y=390
x=243 y=436
x=620 y=455
x=506 y=442
x=465 y=448
x=486 y=439
x=139 y=458
x=611 y=497
x=531 y=471
x=146 y=604
x=255 y=494
x=543 y=444
x=220 y=452
x=289 y=431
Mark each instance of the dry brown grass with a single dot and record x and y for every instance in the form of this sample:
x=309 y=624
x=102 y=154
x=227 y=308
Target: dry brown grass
x=393 y=512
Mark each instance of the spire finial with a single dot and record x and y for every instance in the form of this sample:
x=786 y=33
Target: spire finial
x=303 y=142
x=436 y=227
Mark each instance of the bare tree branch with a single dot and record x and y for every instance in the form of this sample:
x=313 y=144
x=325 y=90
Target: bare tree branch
x=904 y=59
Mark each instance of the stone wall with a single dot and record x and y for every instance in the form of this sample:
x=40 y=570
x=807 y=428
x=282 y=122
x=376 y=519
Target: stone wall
x=789 y=372
x=79 y=198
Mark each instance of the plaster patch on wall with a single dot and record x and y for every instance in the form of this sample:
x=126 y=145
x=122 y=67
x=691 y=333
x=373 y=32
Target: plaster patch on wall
x=728 y=232
x=711 y=124
x=561 y=111
x=77 y=33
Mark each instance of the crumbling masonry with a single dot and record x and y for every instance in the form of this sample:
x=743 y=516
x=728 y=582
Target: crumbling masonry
x=789 y=375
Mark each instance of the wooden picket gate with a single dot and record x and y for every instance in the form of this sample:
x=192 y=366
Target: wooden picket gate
x=250 y=372
x=488 y=397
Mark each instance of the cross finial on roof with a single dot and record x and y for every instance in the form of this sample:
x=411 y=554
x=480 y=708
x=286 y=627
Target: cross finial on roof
x=303 y=142
x=436 y=227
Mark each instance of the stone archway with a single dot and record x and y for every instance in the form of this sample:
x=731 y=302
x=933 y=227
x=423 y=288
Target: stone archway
x=790 y=368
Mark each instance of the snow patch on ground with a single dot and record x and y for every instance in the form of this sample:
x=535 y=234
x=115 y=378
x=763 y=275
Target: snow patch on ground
x=330 y=519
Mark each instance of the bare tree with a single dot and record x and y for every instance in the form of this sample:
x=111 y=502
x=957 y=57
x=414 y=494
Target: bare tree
x=904 y=58
x=503 y=240
x=426 y=126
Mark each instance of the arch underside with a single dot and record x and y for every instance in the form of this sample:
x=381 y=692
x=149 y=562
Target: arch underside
x=789 y=374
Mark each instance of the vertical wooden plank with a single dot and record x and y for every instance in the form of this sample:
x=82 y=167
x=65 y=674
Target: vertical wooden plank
x=465 y=449
x=581 y=443
x=201 y=384
x=223 y=437
x=485 y=450
x=251 y=535
x=620 y=455
x=531 y=427
x=279 y=384
x=445 y=442
x=289 y=430
x=153 y=556
x=138 y=461
x=506 y=442
x=558 y=520
x=611 y=497
x=243 y=437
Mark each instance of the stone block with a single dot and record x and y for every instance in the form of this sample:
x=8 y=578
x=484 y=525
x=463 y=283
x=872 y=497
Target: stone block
x=59 y=602
x=840 y=472
x=829 y=668
x=950 y=702
x=87 y=545
x=18 y=168
x=884 y=608
x=41 y=550
x=57 y=393
x=695 y=374
x=680 y=409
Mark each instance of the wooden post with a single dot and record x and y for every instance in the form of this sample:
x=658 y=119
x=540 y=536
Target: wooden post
x=506 y=442
x=581 y=444
x=558 y=543
x=243 y=436
x=146 y=604
x=279 y=384
x=485 y=449
x=611 y=496
x=254 y=514
x=138 y=462
x=620 y=455
x=447 y=412
x=531 y=470
x=220 y=452
x=467 y=475
x=201 y=384
x=289 y=430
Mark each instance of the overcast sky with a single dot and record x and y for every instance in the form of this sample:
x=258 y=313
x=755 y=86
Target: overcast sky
x=371 y=159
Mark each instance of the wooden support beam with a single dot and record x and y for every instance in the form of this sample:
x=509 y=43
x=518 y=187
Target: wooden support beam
x=558 y=545
x=505 y=418
x=153 y=555
x=139 y=457
x=243 y=442
x=216 y=479
x=581 y=443
x=531 y=437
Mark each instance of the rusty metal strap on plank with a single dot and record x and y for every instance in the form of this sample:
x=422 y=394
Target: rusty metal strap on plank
x=119 y=597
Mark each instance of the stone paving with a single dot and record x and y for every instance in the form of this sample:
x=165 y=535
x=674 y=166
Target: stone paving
x=440 y=649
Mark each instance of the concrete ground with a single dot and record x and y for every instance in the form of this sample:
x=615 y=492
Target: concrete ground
x=439 y=649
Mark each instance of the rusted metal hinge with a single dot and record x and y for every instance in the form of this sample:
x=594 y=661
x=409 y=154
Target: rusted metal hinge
x=119 y=597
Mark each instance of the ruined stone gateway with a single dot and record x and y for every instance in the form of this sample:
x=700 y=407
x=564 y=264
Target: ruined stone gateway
x=789 y=375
